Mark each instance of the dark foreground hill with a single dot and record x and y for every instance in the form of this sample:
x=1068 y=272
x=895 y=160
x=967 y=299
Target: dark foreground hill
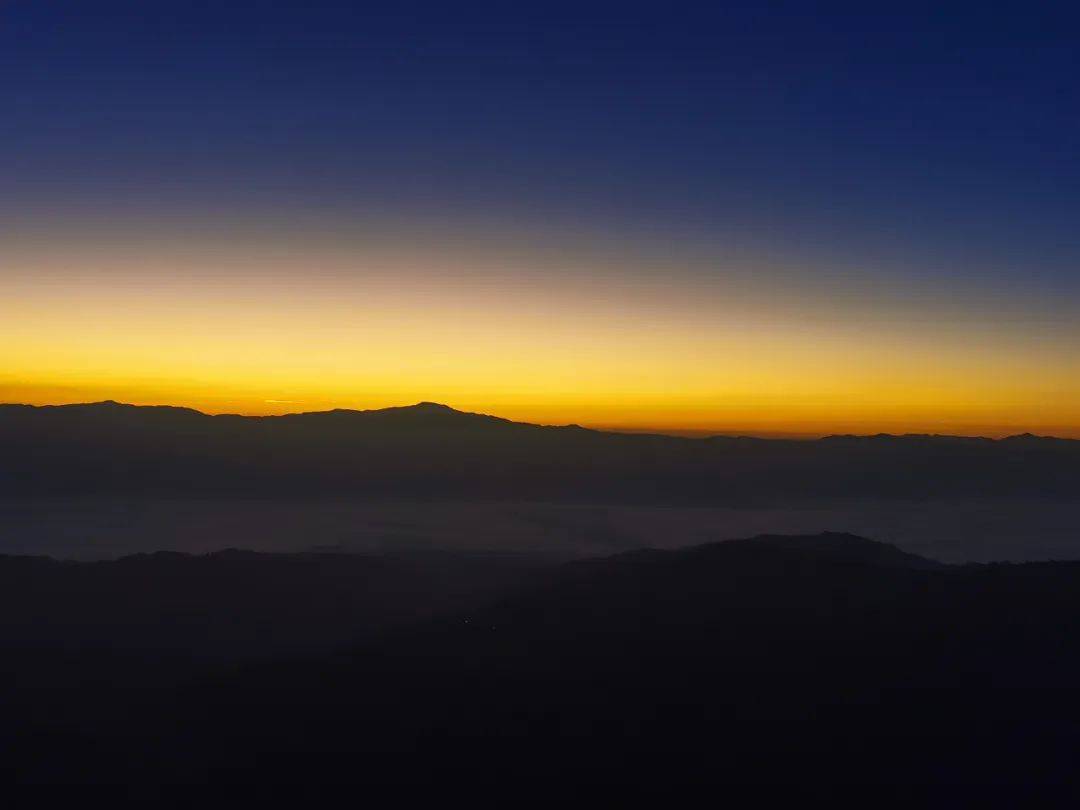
x=430 y=450
x=776 y=659
x=235 y=604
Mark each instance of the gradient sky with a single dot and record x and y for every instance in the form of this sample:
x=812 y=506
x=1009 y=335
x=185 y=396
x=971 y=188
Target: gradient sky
x=766 y=218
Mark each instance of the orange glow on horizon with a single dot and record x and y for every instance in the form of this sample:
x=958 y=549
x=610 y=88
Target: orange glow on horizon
x=554 y=339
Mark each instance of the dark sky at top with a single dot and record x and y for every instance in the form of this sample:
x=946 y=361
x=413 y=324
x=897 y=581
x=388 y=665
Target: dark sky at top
x=936 y=129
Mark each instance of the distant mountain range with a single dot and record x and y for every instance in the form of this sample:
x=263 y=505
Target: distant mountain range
x=431 y=450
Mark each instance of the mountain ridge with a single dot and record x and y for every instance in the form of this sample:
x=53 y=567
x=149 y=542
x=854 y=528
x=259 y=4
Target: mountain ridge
x=430 y=450
x=430 y=408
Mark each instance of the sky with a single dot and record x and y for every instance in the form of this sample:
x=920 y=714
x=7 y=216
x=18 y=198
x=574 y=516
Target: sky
x=769 y=218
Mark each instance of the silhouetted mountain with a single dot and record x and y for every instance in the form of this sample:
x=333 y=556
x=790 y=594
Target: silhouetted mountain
x=430 y=450
x=777 y=659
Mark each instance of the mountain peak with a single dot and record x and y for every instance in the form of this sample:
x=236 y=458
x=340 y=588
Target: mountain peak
x=1030 y=438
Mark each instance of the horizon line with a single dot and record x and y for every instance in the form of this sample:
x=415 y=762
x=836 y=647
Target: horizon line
x=679 y=433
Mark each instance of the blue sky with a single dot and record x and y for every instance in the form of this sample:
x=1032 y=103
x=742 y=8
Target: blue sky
x=927 y=148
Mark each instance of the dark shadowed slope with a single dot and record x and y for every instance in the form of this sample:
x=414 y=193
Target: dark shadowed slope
x=837 y=547
x=779 y=659
x=430 y=450
x=776 y=659
x=235 y=604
